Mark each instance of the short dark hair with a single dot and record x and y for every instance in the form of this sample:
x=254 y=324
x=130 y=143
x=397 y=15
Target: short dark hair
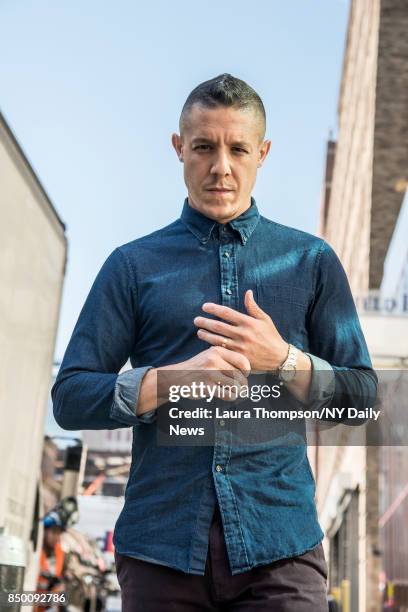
x=225 y=90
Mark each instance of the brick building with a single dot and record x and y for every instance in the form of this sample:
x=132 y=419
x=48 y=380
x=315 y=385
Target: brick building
x=365 y=180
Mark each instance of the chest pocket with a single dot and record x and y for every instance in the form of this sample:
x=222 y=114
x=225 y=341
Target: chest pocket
x=287 y=305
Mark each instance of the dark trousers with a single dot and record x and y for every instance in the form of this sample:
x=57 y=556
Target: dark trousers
x=297 y=584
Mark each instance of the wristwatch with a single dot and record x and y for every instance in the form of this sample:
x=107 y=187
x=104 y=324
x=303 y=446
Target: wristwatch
x=287 y=371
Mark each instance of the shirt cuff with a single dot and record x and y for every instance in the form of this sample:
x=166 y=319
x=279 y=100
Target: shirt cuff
x=126 y=395
x=322 y=385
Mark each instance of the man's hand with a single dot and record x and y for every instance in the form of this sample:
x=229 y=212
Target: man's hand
x=253 y=335
x=219 y=359
x=213 y=366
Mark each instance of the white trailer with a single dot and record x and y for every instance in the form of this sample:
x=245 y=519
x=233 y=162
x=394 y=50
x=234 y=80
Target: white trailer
x=33 y=250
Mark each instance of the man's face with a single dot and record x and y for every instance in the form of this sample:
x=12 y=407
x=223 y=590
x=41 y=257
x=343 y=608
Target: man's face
x=221 y=149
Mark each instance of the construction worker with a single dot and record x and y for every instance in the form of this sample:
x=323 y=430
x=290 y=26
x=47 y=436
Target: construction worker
x=53 y=558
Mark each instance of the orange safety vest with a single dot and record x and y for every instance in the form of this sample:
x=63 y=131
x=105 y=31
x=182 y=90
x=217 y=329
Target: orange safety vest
x=42 y=583
x=59 y=560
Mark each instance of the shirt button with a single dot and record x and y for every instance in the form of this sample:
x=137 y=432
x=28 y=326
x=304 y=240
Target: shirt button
x=228 y=291
x=218 y=468
x=224 y=228
x=226 y=254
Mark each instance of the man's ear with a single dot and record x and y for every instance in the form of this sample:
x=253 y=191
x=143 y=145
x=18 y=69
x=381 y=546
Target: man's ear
x=178 y=145
x=263 y=151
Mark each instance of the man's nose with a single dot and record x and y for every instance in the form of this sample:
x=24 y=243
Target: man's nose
x=221 y=164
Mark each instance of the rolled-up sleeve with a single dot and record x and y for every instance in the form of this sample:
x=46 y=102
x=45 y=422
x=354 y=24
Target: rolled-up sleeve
x=89 y=392
x=126 y=395
x=322 y=385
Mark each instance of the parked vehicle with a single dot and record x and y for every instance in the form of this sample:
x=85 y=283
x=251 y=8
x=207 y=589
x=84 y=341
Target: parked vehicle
x=33 y=249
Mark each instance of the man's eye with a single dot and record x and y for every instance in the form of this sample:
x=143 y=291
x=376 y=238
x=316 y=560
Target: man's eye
x=202 y=147
x=239 y=150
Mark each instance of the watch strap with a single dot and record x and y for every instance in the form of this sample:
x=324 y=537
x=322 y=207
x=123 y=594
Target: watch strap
x=291 y=359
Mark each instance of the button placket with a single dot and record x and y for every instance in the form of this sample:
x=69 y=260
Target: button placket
x=222 y=443
x=227 y=267
x=223 y=440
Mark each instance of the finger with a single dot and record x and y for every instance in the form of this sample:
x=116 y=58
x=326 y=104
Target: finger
x=231 y=373
x=228 y=391
x=236 y=359
x=253 y=309
x=235 y=375
x=217 y=327
x=215 y=339
x=227 y=375
x=228 y=388
x=226 y=313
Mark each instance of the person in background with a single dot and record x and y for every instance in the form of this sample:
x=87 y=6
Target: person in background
x=53 y=559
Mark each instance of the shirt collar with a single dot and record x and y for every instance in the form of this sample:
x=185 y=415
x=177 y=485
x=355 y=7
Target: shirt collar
x=202 y=226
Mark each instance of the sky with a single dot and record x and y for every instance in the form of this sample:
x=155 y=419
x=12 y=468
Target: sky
x=93 y=91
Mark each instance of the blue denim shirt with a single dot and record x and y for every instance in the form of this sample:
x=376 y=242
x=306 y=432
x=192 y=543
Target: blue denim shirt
x=141 y=306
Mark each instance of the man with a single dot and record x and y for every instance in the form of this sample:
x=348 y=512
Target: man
x=52 y=565
x=226 y=292
x=53 y=560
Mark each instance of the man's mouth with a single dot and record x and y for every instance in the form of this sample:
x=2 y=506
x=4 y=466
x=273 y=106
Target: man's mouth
x=219 y=189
